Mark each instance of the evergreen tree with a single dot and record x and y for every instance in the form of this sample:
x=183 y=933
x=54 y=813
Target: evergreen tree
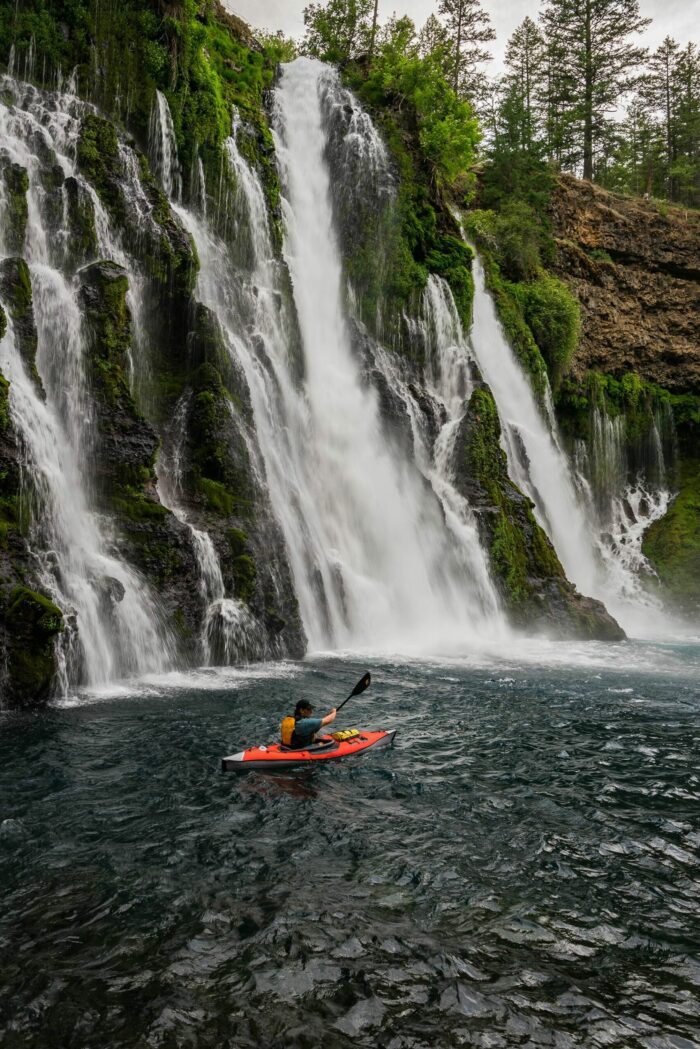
x=594 y=35
x=658 y=89
x=525 y=56
x=434 y=39
x=469 y=28
x=686 y=166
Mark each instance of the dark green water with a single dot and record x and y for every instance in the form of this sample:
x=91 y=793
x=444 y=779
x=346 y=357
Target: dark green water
x=522 y=869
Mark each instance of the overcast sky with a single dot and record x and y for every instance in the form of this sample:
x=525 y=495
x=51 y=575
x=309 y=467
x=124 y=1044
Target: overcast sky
x=677 y=18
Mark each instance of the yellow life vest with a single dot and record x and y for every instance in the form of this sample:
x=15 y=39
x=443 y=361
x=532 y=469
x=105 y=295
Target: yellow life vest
x=287 y=731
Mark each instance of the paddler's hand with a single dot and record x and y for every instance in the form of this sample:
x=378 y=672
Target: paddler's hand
x=329 y=717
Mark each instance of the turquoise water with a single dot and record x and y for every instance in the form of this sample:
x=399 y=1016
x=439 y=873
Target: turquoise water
x=521 y=869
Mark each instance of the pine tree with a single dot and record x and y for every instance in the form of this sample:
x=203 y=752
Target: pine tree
x=686 y=168
x=658 y=89
x=525 y=56
x=433 y=38
x=469 y=27
x=594 y=36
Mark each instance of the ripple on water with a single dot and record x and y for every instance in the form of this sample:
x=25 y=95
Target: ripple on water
x=521 y=869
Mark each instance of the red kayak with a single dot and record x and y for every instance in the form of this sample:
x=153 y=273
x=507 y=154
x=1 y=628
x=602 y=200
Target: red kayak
x=277 y=756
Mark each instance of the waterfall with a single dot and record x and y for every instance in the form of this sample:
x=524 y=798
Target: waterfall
x=229 y=633
x=374 y=562
x=162 y=147
x=115 y=627
x=601 y=568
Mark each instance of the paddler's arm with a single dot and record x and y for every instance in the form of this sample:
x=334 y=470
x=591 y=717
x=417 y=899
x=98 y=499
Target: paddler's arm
x=329 y=717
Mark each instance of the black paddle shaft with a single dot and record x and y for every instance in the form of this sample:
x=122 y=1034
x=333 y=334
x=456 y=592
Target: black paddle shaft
x=361 y=685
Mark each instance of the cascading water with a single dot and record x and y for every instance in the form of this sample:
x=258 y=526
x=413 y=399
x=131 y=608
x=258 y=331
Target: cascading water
x=118 y=624
x=623 y=498
x=386 y=534
x=162 y=147
x=538 y=464
x=373 y=561
x=229 y=633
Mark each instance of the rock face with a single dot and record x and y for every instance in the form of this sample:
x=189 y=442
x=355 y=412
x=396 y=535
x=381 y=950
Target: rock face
x=528 y=572
x=635 y=269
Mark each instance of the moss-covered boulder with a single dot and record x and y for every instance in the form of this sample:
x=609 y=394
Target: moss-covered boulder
x=30 y=623
x=98 y=161
x=525 y=566
x=672 y=544
x=16 y=290
x=81 y=246
x=16 y=210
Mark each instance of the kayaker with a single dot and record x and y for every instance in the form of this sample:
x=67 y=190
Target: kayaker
x=301 y=730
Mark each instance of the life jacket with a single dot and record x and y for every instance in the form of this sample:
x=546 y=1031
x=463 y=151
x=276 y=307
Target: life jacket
x=287 y=731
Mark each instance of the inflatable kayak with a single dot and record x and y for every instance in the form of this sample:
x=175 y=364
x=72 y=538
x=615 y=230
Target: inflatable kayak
x=277 y=756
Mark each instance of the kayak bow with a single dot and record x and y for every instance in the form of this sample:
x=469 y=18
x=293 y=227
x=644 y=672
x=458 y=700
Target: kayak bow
x=276 y=756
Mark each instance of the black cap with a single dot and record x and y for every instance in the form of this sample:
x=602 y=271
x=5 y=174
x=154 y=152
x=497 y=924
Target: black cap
x=303 y=704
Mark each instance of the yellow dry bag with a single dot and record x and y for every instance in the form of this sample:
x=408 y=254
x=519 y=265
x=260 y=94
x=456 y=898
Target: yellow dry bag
x=287 y=731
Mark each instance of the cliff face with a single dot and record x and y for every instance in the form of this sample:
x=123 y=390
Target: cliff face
x=634 y=266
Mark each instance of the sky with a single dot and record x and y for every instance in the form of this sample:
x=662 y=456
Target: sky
x=676 y=18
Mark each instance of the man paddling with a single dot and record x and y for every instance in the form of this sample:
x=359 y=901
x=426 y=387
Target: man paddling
x=304 y=728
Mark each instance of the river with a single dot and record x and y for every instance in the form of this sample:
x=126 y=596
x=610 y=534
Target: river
x=522 y=868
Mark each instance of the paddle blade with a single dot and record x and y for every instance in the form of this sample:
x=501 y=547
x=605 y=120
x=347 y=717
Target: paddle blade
x=361 y=685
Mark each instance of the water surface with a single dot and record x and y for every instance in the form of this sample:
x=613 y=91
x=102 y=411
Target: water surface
x=523 y=868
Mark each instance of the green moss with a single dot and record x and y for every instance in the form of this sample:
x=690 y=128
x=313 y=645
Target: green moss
x=519 y=550
x=98 y=161
x=219 y=499
x=103 y=294
x=131 y=503
x=554 y=318
x=82 y=245
x=243 y=564
x=16 y=287
x=507 y=297
x=16 y=212
x=4 y=395
x=672 y=544
x=32 y=622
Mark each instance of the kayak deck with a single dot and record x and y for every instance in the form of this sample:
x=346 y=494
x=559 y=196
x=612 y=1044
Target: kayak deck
x=275 y=756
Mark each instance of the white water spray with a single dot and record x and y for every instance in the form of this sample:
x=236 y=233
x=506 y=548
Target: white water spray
x=538 y=464
x=162 y=147
x=119 y=629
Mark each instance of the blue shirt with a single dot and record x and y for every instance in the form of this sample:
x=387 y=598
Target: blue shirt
x=305 y=729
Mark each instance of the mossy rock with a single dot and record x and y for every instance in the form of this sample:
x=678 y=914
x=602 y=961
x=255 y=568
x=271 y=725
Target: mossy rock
x=672 y=544
x=242 y=564
x=103 y=289
x=31 y=623
x=219 y=456
x=16 y=209
x=82 y=243
x=16 y=288
x=98 y=161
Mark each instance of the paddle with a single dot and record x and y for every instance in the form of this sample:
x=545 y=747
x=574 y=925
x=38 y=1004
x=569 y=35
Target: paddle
x=361 y=685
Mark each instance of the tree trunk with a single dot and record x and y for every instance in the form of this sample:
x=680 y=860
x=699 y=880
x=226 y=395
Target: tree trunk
x=373 y=34
x=458 y=51
x=588 y=100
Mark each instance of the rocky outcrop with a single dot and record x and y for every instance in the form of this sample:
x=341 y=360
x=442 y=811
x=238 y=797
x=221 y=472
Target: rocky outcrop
x=634 y=266
x=16 y=209
x=528 y=573
x=124 y=453
x=16 y=291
